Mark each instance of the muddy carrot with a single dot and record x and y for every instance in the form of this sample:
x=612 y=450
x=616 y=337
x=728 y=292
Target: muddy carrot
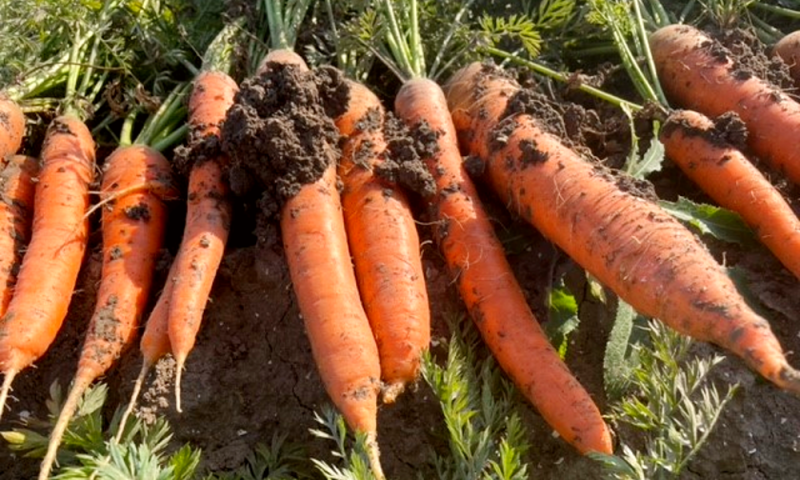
x=133 y=228
x=630 y=244
x=788 y=49
x=53 y=258
x=385 y=245
x=699 y=74
x=12 y=126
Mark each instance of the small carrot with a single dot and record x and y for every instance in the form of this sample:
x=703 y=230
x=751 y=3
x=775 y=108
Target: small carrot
x=630 y=244
x=691 y=140
x=16 y=211
x=700 y=75
x=208 y=221
x=133 y=231
x=788 y=49
x=385 y=245
x=54 y=256
x=12 y=126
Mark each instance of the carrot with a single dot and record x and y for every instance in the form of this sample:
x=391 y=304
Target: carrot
x=723 y=172
x=12 y=126
x=208 y=220
x=788 y=49
x=133 y=231
x=16 y=210
x=385 y=245
x=630 y=244
x=700 y=75
x=54 y=256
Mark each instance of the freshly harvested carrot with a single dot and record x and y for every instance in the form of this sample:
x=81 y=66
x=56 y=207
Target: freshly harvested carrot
x=699 y=74
x=208 y=221
x=53 y=258
x=723 y=172
x=12 y=126
x=16 y=211
x=385 y=245
x=133 y=232
x=788 y=49
x=630 y=244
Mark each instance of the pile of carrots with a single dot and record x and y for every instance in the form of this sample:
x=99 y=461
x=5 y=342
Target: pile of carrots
x=354 y=256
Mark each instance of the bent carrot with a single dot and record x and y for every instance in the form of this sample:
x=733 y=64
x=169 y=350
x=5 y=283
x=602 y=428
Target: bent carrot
x=630 y=244
x=208 y=220
x=700 y=75
x=16 y=211
x=53 y=258
x=788 y=49
x=385 y=245
x=12 y=126
x=691 y=140
x=488 y=287
x=133 y=231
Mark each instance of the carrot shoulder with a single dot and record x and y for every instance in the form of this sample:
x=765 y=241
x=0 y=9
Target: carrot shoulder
x=788 y=49
x=630 y=244
x=699 y=74
x=488 y=286
x=385 y=245
x=723 y=172
x=53 y=258
x=12 y=126
x=133 y=231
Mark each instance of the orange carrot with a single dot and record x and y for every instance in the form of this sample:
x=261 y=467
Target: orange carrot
x=385 y=246
x=788 y=49
x=208 y=220
x=16 y=212
x=723 y=172
x=53 y=258
x=630 y=244
x=488 y=287
x=133 y=231
x=700 y=75
x=12 y=126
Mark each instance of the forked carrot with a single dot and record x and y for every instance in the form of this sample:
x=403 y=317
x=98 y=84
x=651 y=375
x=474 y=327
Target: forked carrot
x=133 y=231
x=384 y=243
x=12 y=126
x=691 y=141
x=699 y=74
x=53 y=258
x=630 y=244
x=16 y=212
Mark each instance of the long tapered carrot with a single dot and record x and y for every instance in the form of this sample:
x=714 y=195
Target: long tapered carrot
x=699 y=74
x=631 y=245
x=208 y=220
x=16 y=212
x=384 y=243
x=53 y=258
x=133 y=231
x=488 y=286
x=691 y=140
x=12 y=126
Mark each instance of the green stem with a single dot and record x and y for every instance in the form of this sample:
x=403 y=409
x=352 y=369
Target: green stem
x=541 y=69
x=417 y=52
x=434 y=72
x=277 y=34
x=72 y=80
x=127 y=129
x=397 y=44
x=655 y=85
x=172 y=139
x=778 y=10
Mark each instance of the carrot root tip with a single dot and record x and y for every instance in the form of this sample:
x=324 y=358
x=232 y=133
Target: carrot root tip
x=178 y=371
x=374 y=456
x=5 y=389
x=790 y=380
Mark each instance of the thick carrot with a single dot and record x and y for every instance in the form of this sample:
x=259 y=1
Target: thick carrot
x=53 y=258
x=133 y=232
x=788 y=49
x=487 y=284
x=723 y=172
x=208 y=220
x=385 y=245
x=16 y=211
x=12 y=126
x=630 y=244
x=700 y=75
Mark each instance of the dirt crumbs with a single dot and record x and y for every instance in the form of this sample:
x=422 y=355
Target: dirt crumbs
x=405 y=153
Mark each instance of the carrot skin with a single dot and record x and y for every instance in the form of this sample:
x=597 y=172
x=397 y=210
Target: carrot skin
x=12 y=126
x=16 y=211
x=699 y=75
x=630 y=244
x=788 y=49
x=53 y=258
x=488 y=286
x=733 y=182
x=384 y=243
